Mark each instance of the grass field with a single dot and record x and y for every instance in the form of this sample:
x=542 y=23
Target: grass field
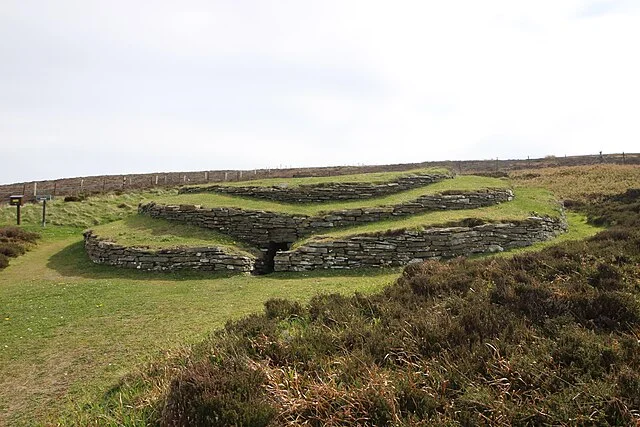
x=212 y=200
x=70 y=329
x=375 y=177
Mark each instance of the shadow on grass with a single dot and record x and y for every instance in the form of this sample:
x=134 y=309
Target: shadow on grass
x=73 y=261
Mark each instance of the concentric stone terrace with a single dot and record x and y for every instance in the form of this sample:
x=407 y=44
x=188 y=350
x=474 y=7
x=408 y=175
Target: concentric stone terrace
x=324 y=192
x=426 y=218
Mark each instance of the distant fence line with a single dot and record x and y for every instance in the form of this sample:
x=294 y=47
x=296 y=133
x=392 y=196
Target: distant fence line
x=111 y=183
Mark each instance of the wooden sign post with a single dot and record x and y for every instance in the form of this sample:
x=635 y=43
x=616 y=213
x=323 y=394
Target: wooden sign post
x=43 y=198
x=17 y=202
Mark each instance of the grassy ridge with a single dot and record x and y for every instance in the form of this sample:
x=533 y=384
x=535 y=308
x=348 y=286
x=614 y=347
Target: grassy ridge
x=143 y=231
x=212 y=200
x=374 y=177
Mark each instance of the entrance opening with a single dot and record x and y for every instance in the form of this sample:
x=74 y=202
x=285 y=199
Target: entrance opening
x=268 y=262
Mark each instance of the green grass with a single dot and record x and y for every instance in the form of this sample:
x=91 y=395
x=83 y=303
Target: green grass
x=69 y=328
x=213 y=200
x=92 y=211
x=375 y=177
x=527 y=202
x=579 y=229
x=75 y=328
x=143 y=231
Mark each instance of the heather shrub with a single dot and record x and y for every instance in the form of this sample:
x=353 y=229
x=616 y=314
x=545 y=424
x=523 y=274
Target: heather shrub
x=14 y=241
x=545 y=338
x=10 y=249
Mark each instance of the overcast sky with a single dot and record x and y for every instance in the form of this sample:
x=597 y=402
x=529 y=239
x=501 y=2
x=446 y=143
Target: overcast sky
x=108 y=87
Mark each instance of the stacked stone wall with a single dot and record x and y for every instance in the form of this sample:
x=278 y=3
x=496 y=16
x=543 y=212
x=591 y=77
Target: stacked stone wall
x=325 y=192
x=415 y=246
x=261 y=227
x=197 y=258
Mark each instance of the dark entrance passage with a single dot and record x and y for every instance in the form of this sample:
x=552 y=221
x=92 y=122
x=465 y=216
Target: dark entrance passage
x=268 y=263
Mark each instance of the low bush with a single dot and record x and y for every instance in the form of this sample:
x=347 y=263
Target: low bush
x=14 y=242
x=17 y=234
x=11 y=249
x=76 y=198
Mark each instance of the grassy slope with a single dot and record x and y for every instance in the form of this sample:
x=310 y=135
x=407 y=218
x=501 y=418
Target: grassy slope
x=527 y=201
x=541 y=339
x=376 y=177
x=143 y=231
x=74 y=328
x=581 y=182
x=212 y=200
x=93 y=211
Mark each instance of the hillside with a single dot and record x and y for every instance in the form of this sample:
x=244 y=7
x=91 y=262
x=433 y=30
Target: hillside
x=87 y=344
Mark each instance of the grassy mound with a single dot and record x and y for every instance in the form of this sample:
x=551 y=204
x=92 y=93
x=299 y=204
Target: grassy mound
x=213 y=200
x=374 y=178
x=143 y=231
x=540 y=338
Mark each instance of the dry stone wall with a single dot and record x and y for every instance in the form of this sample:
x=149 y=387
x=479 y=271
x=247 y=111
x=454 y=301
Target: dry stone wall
x=325 y=192
x=259 y=228
x=415 y=246
x=200 y=258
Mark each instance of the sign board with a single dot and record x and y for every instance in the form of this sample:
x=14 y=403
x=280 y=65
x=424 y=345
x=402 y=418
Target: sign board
x=16 y=200
x=42 y=197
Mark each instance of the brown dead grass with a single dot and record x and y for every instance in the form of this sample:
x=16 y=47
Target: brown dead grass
x=581 y=183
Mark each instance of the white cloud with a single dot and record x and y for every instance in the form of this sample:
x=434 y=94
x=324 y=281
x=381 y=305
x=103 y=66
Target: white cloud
x=249 y=84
